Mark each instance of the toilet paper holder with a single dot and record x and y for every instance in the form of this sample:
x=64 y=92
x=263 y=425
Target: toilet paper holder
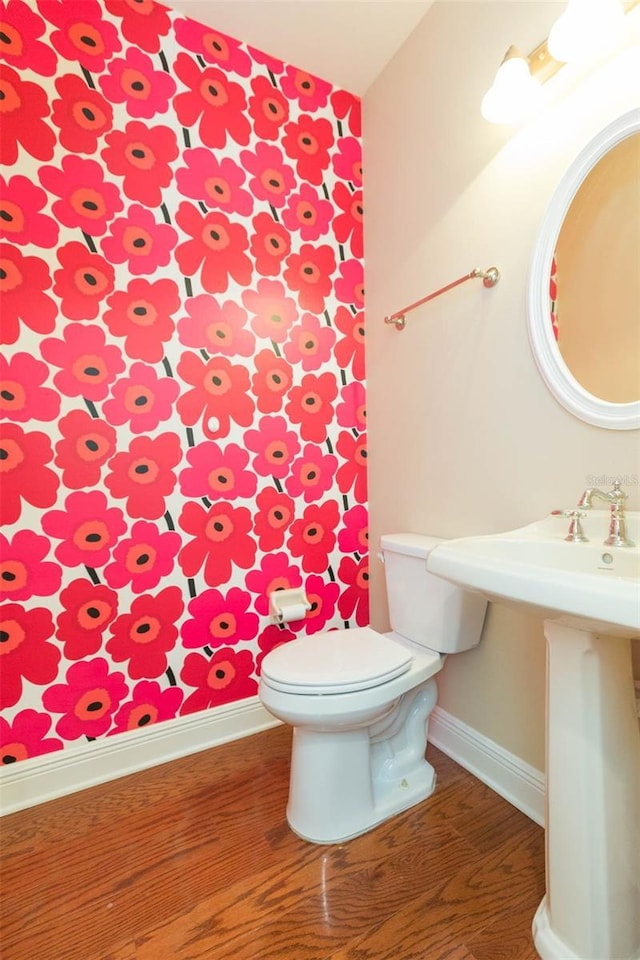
x=286 y=606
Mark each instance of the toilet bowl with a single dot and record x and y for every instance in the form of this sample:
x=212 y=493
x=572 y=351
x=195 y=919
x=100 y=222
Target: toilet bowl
x=359 y=701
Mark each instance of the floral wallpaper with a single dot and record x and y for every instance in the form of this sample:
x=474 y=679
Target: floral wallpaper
x=182 y=373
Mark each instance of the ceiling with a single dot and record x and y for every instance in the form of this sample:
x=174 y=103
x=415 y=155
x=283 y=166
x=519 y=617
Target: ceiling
x=347 y=42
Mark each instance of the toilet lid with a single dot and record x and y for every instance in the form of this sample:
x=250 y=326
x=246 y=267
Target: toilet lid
x=340 y=661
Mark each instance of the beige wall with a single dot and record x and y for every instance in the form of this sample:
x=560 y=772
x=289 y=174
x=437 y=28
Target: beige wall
x=464 y=436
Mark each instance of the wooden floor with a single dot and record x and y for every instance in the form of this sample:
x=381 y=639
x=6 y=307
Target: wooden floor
x=194 y=861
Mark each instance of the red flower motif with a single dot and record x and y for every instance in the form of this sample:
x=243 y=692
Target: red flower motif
x=143 y=22
x=87 y=701
x=349 y=223
x=86 y=446
x=310 y=343
x=218 y=618
x=308 y=143
x=214 y=100
x=350 y=350
x=21 y=395
x=21 y=48
x=88 y=364
x=271 y=381
x=88 y=609
x=347 y=105
x=86 y=200
x=82 y=114
x=20 y=218
x=272 y=64
x=217 y=244
x=219 y=392
x=225 y=678
x=217 y=329
x=274 y=517
x=213 y=46
x=24 y=651
x=220 y=539
x=271 y=637
x=352 y=411
x=356 y=595
x=82 y=282
x=272 y=178
x=23 y=281
x=270 y=244
x=310 y=405
x=217 y=473
x=309 y=272
x=139 y=241
x=142 y=156
x=87 y=527
x=275 y=573
x=353 y=473
x=144 y=474
x=274 y=446
x=23 y=475
x=82 y=34
x=268 y=108
x=311 y=92
x=22 y=106
x=347 y=162
x=26 y=737
x=313 y=538
x=145 y=635
x=307 y=213
x=312 y=474
x=144 y=91
x=273 y=311
x=354 y=536
x=149 y=704
x=322 y=597
x=143 y=559
x=24 y=573
x=350 y=287
x=142 y=314
x=216 y=183
x=142 y=399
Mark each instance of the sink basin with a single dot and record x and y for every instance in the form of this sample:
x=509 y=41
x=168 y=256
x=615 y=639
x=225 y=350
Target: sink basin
x=587 y=585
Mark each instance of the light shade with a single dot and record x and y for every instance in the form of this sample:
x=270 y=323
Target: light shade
x=587 y=29
x=515 y=94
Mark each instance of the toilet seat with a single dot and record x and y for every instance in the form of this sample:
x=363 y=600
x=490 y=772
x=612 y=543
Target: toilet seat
x=340 y=661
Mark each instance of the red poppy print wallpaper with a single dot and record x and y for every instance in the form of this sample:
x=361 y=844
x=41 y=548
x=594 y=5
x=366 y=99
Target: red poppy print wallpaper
x=182 y=381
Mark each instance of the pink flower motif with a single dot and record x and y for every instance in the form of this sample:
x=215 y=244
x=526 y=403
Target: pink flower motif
x=272 y=64
x=216 y=473
x=215 y=328
x=82 y=282
x=143 y=559
x=22 y=396
x=348 y=225
x=87 y=701
x=214 y=100
x=353 y=472
x=142 y=399
x=352 y=412
x=147 y=633
x=213 y=46
x=347 y=160
x=323 y=598
x=26 y=737
x=88 y=364
x=350 y=287
x=87 y=527
x=310 y=343
x=25 y=652
x=312 y=474
x=21 y=48
x=273 y=179
x=310 y=91
x=217 y=183
x=347 y=105
x=308 y=213
x=133 y=81
x=354 y=537
x=270 y=638
x=219 y=618
x=273 y=311
x=354 y=600
x=274 y=446
x=139 y=241
x=149 y=704
x=23 y=281
x=276 y=573
x=20 y=219
x=23 y=571
x=225 y=678
x=86 y=201
x=82 y=34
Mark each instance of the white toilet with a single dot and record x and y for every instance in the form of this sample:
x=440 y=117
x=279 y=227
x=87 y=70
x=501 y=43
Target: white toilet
x=359 y=701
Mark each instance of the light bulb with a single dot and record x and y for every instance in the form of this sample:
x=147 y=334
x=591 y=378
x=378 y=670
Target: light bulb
x=515 y=94
x=587 y=29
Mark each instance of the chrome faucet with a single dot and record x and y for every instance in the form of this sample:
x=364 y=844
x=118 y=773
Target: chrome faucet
x=616 y=498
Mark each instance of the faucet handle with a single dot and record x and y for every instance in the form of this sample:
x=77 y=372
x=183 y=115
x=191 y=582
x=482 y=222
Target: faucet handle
x=575 y=533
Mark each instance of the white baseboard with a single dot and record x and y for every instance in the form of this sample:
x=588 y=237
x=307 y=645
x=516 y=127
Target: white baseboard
x=57 y=774
x=513 y=779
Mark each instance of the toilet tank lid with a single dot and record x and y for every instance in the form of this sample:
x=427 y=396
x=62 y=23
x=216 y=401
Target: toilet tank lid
x=409 y=544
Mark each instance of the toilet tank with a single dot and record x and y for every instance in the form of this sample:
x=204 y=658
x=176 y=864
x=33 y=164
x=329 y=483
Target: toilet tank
x=425 y=609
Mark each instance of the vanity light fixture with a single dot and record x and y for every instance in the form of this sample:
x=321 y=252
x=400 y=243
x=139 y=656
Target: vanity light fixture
x=586 y=29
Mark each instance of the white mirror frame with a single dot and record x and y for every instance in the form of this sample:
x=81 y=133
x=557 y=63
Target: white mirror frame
x=554 y=371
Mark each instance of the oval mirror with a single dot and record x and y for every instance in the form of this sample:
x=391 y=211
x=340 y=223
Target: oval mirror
x=584 y=285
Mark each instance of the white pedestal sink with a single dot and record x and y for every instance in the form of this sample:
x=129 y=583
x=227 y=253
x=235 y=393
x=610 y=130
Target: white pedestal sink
x=589 y=598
